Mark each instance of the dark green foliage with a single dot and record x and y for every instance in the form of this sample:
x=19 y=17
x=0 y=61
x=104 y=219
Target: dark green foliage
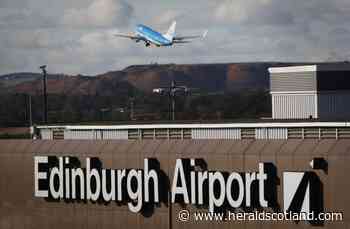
x=14 y=109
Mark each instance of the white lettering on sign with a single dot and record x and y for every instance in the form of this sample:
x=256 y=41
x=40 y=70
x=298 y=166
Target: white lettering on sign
x=59 y=178
x=219 y=188
x=63 y=178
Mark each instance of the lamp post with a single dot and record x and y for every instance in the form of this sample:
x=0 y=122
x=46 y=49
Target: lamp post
x=172 y=98
x=132 y=104
x=31 y=129
x=43 y=68
x=30 y=110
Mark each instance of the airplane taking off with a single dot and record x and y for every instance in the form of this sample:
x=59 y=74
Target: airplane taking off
x=152 y=37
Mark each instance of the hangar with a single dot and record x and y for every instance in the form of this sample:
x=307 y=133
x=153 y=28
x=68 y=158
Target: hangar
x=311 y=92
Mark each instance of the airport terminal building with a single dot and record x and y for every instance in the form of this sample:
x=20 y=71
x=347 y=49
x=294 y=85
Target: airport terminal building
x=164 y=175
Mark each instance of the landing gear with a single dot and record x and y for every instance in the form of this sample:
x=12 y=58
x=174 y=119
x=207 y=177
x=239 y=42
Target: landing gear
x=147 y=44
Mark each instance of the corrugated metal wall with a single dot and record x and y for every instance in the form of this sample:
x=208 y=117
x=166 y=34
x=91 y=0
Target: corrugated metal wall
x=115 y=134
x=294 y=81
x=298 y=132
x=271 y=133
x=79 y=134
x=215 y=133
x=96 y=134
x=334 y=105
x=46 y=134
x=334 y=80
x=294 y=106
x=299 y=95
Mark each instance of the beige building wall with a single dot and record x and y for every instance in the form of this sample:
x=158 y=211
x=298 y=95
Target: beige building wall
x=19 y=209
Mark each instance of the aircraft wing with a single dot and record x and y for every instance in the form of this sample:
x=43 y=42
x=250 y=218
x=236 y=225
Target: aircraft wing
x=132 y=37
x=182 y=38
x=181 y=41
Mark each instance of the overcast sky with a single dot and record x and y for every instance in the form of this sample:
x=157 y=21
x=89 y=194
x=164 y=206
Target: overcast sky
x=76 y=36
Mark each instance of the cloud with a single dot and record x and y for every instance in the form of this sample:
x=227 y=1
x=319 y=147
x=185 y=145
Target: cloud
x=13 y=4
x=89 y=13
x=25 y=18
x=288 y=13
x=100 y=13
x=254 y=12
x=310 y=30
x=166 y=17
x=77 y=36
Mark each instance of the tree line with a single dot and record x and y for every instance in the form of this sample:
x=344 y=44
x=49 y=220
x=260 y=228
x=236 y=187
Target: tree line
x=136 y=106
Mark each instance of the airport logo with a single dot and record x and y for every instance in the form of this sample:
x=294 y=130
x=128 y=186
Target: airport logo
x=302 y=192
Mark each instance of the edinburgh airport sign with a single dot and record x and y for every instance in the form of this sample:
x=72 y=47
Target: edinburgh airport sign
x=63 y=178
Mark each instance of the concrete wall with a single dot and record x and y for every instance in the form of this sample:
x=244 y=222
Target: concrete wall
x=19 y=209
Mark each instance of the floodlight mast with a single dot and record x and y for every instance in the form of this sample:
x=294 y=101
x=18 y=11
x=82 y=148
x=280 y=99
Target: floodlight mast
x=43 y=68
x=171 y=91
